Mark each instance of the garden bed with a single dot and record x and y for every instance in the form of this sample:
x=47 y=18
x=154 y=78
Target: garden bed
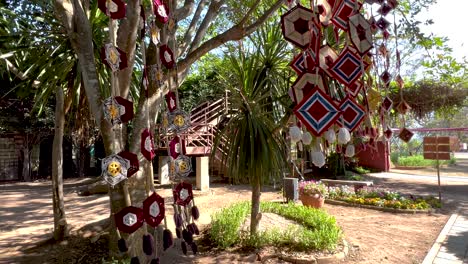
x=381 y=199
x=383 y=209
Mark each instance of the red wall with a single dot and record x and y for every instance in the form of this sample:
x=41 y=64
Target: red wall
x=375 y=159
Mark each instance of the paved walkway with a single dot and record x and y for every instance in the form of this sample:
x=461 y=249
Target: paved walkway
x=451 y=246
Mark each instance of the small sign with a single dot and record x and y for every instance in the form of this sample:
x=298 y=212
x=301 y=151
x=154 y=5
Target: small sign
x=438 y=148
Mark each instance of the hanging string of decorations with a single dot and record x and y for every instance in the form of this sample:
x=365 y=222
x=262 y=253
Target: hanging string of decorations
x=118 y=167
x=338 y=91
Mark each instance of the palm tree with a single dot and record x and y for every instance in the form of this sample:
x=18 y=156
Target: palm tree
x=254 y=150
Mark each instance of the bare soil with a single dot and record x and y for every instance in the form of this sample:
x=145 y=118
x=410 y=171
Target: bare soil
x=374 y=236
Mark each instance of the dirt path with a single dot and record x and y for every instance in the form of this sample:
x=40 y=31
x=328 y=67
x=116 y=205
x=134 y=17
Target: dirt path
x=26 y=216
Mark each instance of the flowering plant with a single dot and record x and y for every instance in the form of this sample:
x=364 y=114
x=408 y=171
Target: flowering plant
x=313 y=188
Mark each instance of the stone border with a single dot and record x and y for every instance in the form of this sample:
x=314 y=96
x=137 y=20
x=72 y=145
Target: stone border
x=411 y=167
x=310 y=259
x=378 y=208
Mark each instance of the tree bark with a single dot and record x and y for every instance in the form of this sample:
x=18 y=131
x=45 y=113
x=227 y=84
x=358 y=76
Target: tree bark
x=255 y=214
x=60 y=222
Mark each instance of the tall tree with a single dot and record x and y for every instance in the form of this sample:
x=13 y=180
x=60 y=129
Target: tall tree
x=198 y=32
x=257 y=80
x=60 y=221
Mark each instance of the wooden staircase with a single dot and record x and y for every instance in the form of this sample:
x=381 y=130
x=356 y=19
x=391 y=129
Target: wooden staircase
x=206 y=120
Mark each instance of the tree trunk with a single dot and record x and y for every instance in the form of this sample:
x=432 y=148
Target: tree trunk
x=255 y=214
x=60 y=222
x=26 y=165
x=83 y=159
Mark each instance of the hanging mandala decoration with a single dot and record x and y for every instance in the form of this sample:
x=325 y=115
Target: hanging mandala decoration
x=161 y=11
x=147 y=145
x=154 y=210
x=183 y=194
x=113 y=57
x=353 y=114
x=361 y=35
x=295 y=26
x=347 y=67
x=317 y=112
x=129 y=219
x=305 y=84
x=178 y=121
x=176 y=147
x=114 y=169
x=302 y=63
x=327 y=57
x=115 y=9
x=132 y=161
x=167 y=56
x=345 y=10
x=171 y=101
x=405 y=135
x=183 y=166
x=118 y=110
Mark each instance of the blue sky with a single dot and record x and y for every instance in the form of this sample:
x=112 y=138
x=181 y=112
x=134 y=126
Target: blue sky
x=450 y=20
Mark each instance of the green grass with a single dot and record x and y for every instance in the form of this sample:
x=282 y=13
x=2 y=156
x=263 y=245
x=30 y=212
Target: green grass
x=317 y=229
x=419 y=161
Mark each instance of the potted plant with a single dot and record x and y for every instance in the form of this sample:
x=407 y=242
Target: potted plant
x=312 y=193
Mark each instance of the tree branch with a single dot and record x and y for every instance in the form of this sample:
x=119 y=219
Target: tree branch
x=183 y=12
x=126 y=40
x=236 y=32
x=211 y=14
x=191 y=29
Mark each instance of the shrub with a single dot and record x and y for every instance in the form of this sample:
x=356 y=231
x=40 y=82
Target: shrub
x=317 y=229
x=418 y=160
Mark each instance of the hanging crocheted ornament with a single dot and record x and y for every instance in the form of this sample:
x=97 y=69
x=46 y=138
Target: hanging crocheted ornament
x=161 y=11
x=114 y=169
x=114 y=9
x=113 y=57
x=343 y=136
x=318 y=159
x=129 y=219
x=295 y=134
x=132 y=160
x=167 y=56
x=183 y=166
x=295 y=26
x=171 y=101
x=147 y=145
x=176 y=147
x=349 y=152
x=153 y=209
x=306 y=138
x=179 y=121
x=183 y=194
